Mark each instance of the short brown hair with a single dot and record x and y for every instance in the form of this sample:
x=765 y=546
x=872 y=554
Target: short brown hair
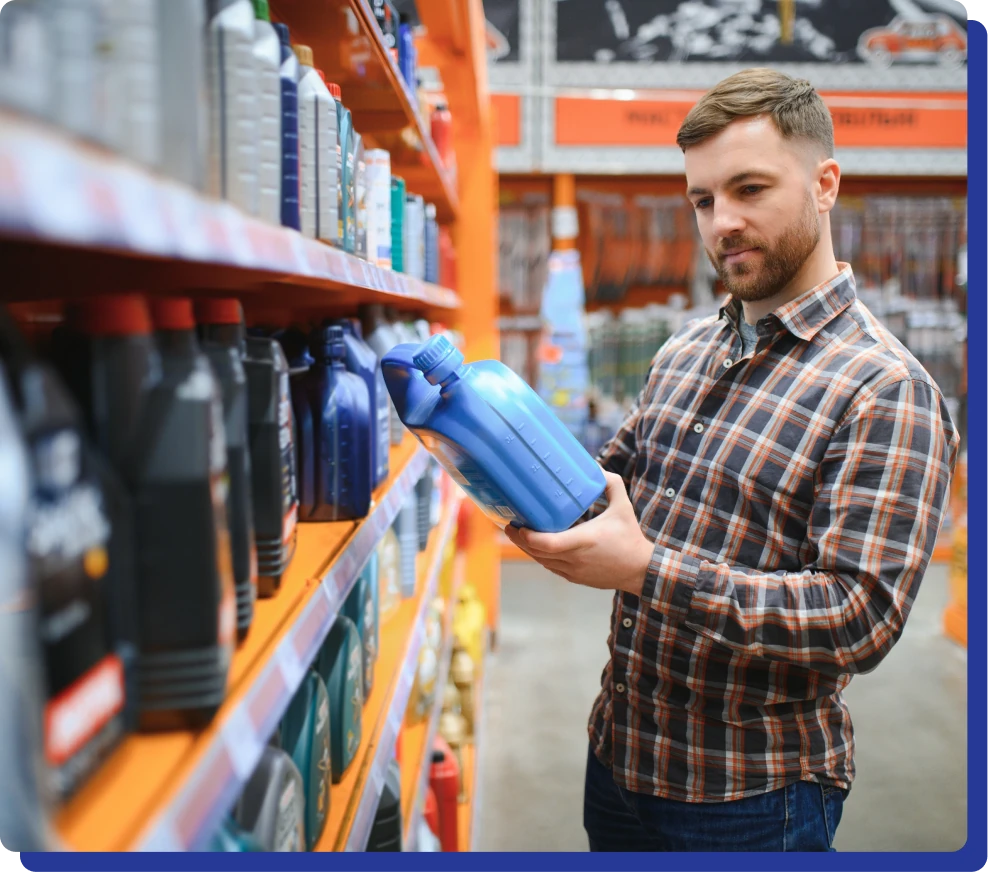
x=795 y=108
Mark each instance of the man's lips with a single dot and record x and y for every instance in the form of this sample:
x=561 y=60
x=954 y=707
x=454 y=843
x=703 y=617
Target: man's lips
x=732 y=257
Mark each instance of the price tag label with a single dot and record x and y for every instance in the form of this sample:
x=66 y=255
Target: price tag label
x=242 y=743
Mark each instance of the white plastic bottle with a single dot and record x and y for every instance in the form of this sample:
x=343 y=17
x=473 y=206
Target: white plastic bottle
x=378 y=182
x=182 y=87
x=317 y=159
x=131 y=116
x=267 y=61
x=233 y=103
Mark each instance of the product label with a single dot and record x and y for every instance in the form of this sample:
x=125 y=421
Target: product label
x=227 y=627
x=288 y=525
x=81 y=710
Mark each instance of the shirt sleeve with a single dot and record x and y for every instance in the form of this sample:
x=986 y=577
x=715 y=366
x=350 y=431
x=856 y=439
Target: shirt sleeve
x=883 y=487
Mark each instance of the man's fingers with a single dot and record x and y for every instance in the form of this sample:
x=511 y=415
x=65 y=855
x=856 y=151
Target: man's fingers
x=615 y=489
x=554 y=543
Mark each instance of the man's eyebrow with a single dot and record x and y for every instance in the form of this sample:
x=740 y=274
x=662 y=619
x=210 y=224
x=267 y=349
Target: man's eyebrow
x=737 y=179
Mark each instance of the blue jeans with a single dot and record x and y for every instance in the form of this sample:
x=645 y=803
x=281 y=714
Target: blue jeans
x=801 y=817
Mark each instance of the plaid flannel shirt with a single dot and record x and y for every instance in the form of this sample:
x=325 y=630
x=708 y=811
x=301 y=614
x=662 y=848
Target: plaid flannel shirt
x=794 y=496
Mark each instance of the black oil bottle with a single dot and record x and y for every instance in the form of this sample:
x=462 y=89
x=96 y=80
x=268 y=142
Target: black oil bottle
x=222 y=336
x=26 y=804
x=187 y=602
x=68 y=544
x=272 y=453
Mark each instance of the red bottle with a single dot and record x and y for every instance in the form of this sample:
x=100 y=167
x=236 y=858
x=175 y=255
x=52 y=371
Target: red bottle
x=431 y=812
x=444 y=781
x=442 y=134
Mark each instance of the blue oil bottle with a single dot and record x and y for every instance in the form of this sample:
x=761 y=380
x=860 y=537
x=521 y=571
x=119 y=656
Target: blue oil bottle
x=494 y=435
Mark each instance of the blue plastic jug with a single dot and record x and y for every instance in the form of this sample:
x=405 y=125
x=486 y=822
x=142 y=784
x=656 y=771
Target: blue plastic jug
x=341 y=424
x=296 y=348
x=494 y=436
x=361 y=360
x=290 y=216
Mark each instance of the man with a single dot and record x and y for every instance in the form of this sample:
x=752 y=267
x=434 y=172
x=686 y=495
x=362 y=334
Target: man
x=772 y=503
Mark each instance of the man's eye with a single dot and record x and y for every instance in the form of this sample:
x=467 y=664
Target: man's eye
x=753 y=189
x=703 y=204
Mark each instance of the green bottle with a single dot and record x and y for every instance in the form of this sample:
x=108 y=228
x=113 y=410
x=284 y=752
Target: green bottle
x=305 y=732
x=340 y=664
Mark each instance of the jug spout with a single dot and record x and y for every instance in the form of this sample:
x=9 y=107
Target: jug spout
x=438 y=360
x=411 y=394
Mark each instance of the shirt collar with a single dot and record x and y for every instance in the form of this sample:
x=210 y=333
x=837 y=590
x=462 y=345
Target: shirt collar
x=807 y=315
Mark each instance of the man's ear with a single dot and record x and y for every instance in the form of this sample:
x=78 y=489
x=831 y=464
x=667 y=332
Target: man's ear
x=827 y=184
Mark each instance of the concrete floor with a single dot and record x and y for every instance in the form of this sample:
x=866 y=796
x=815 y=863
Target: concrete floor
x=909 y=717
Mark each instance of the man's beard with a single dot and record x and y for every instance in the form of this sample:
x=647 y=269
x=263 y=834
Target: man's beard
x=753 y=282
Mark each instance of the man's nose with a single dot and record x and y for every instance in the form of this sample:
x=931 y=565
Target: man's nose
x=728 y=219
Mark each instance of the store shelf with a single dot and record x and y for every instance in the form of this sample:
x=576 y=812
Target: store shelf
x=470 y=811
x=417 y=740
x=353 y=802
x=169 y=791
x=75 y=209
x=349 y=47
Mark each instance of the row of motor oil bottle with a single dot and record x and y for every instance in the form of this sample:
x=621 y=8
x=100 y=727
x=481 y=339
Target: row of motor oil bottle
x=213 y=94
x=285 y=804
x=156 y=459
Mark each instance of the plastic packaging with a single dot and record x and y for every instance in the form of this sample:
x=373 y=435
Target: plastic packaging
x=414 y=237
x=78 y=87
x=431 y=244
x=389 y=575
x=296 y=350
x=305 y=732
x=361 y=608
x=340 y=664
x=398 y=224
x=68 y=542
x=444 y=781
x=406 y=56
x=272 y=806
x=274 y=479
x=493 y=435
x=381 y=337
x=223 y=342
x=24 y=813
x=234 y=105
x=378 y=184
x=406 y=526
x=360 y=198
x=341 y=422
x=186 y=597
x=347 y=191
x=290 y=216
x=182 y=84
x=363 y=361
x=317 y=133
x=267 y=72
x=385 y=834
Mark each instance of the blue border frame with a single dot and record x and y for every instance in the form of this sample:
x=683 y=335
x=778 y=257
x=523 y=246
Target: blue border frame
x=972 y=856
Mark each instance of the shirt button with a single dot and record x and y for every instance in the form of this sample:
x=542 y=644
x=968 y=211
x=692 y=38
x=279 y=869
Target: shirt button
x=670 y=492
x=698 y=428
x=627 y=622
x=728 y=363
x=620 y=688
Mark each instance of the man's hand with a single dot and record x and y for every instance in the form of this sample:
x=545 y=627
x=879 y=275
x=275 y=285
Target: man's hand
x=610 y=552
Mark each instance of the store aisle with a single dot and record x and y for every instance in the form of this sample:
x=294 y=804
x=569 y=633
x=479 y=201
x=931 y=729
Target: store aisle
x=910 y=722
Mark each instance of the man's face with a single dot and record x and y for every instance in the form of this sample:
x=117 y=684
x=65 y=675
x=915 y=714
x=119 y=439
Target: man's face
x=753 y=196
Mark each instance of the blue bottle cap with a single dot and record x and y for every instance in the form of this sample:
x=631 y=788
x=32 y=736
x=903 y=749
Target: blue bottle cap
x=332 y=341
x=283 y=35
x=437 y=359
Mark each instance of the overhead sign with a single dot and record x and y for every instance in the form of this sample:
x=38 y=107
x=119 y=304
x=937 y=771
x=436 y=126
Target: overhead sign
x=860 y=120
